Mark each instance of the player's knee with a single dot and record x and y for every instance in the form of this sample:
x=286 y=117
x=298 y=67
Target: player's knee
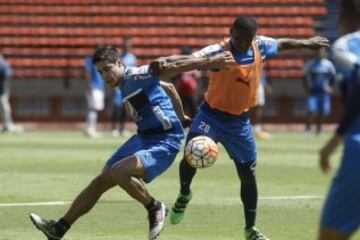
x=102 y=183
x=120 y=175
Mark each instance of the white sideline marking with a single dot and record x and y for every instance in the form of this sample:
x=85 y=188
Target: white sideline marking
x=303 y=197
x=34 y=204
x=299 y=197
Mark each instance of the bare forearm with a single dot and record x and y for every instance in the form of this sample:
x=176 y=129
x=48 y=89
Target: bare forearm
x=169 y=69
x=175 y=58
x=311 y=43
x=289 y=43
x=175 y=99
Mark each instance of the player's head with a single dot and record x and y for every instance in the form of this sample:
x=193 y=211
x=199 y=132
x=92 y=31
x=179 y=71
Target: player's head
x=349 y=15
x=107 y=62
x=243 y=32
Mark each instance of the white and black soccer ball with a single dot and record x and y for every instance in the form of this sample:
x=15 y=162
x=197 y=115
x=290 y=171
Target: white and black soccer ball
x=201 y=152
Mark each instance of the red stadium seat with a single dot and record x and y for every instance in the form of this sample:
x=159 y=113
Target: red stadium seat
x=150 y=31
x=50 y=39
x=182 y=21
x=159 y=2
x=162 y=10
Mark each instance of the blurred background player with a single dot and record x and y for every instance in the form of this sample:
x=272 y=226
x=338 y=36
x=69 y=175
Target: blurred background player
x=158 y=114
x=319 y=79
x=224 y=117
x=118 y=115
x=187 y=86
x=264 y=89
x=341 y=212
x=95 y=96
x=5 y=108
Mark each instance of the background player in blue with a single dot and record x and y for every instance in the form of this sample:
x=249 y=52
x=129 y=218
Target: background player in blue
x=224 y=116
x=319 y=78
x=95 y=94
x=263 y=91
x=148 y=153
x=5 y=108
x=118 y=111
x=341 y=214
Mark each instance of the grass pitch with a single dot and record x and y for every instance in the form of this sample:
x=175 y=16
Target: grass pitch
x=47 y=167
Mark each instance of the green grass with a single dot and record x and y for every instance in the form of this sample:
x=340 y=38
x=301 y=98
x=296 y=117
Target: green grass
x=37 y=167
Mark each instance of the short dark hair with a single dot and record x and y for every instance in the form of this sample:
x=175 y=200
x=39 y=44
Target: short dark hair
x=245 y=24
x=108 y=53
x=351 y=8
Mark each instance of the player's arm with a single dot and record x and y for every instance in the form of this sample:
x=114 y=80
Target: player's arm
x=168 y=69
x=306 y=83
x=306 y=78
x=332 y=77
x=311 y=43
x=170 y=90
x=174 y=58
x=87 y=74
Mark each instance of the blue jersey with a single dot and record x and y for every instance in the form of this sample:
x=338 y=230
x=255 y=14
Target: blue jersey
x=147 y=102
x=5 y=73
x=96 y=80
x=346 y=54
x=319 y=74
x=5 y=70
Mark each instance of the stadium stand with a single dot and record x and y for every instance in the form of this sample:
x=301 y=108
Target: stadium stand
x=49 y=39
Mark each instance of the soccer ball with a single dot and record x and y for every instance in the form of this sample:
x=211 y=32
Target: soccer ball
x=201 y=152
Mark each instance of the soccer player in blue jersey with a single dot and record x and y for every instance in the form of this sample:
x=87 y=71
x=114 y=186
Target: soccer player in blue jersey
x=95 y=96
x=118 y=111
x=148 y=153
x=224 y=114
x=341 y=213
x=319 y=78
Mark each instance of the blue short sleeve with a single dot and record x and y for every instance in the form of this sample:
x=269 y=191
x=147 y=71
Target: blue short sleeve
x=268 y=46
x=208 y=51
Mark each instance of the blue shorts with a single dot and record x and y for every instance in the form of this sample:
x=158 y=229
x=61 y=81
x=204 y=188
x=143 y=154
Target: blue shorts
x=342 y=206
x=233 y=132
x=319 y=103
x=156 y=153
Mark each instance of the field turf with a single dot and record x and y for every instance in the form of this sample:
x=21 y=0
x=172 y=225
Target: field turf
x=51 y=166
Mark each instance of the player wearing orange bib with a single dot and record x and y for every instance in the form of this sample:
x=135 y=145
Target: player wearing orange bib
x=224 y=117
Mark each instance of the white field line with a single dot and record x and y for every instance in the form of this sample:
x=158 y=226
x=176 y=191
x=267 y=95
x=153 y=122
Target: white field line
x=34 y=204
x=52 y=203
x=296 y=197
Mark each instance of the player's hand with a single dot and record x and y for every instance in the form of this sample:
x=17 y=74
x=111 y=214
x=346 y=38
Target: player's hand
x=186 y=121
x=317 y=42
x=222 y=60
x=327 y=151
